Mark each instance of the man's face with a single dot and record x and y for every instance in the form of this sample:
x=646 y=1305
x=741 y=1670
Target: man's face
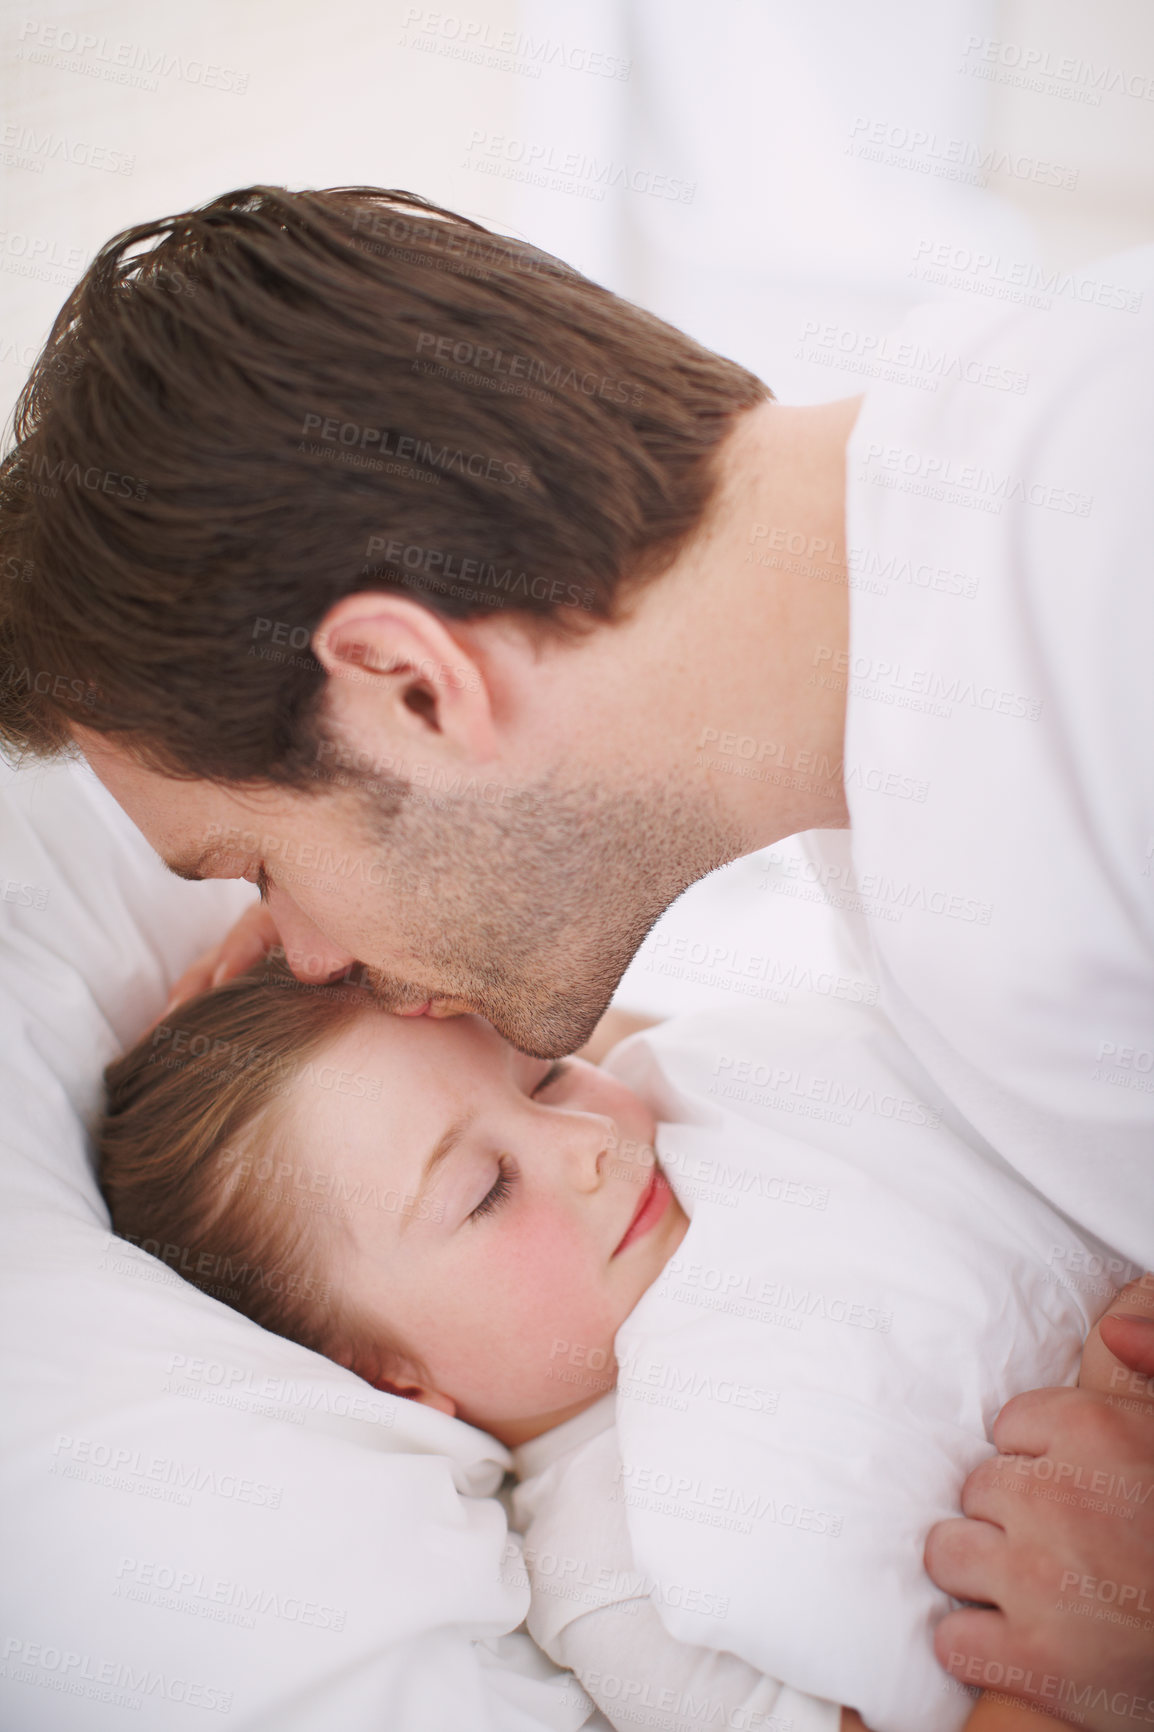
x=524 y=906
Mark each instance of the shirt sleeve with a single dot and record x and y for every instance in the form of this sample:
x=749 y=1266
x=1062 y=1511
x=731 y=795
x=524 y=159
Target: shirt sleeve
x=593 y=1613
x=637 y=1673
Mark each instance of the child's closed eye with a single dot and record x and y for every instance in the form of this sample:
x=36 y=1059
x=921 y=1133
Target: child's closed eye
x=502 y=1186
x=556 y=1070
x=501 y=1190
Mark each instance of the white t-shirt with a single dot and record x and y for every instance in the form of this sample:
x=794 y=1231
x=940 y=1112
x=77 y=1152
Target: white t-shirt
x=999 y=869
x=593 y=1611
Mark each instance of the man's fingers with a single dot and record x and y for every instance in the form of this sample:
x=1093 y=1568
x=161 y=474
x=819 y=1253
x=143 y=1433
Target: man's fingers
x=966 y=1559
x=970 y=1644
x=253 y=936
x=249 y=939
x=977 y=1647
x=1118 y=1357
x=1130 y=1339
x=985 y=1491
x=194 y=980
x=1026 y=1423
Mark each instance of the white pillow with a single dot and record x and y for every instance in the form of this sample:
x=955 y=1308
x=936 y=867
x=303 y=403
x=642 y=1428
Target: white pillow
x=203 y=1520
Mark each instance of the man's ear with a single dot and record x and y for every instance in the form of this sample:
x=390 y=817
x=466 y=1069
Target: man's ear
x=401 y=680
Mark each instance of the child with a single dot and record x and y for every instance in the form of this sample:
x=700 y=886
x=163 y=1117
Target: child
x=434 y=1210
x=459 y=1204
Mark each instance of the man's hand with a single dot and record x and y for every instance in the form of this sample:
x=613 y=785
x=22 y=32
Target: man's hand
x=1118 y=1358
x=1058 y=1544
x=252 y=937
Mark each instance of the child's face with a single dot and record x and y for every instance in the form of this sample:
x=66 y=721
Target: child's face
x=508 y=1276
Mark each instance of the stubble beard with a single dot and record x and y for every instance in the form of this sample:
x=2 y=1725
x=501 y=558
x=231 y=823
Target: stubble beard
x=536 y=907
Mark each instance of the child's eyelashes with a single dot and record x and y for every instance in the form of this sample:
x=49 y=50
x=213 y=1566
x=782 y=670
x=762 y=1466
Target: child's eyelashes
x=556 y=1070
x=506 y=1167
x=502 y=1186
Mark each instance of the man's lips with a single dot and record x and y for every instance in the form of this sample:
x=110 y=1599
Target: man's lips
x=652 y=1205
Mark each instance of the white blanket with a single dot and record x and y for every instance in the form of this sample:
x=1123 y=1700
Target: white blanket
x=803 y=1391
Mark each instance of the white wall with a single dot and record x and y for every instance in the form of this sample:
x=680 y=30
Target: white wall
x=317 y=95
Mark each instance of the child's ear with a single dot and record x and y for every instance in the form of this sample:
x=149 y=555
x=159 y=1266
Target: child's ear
x=400 y=1379
x=417 y=1392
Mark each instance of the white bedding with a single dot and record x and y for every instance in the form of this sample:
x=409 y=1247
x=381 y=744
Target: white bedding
x=208 y=1519
x=201 y=1519
x=863 y=1284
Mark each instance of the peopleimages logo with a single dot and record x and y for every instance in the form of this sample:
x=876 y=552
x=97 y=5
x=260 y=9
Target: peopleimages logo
x=45 y=44
x=1017 y=280
x=925 y=151
x=476 y=41
x=410 y=449
x=185 y=1589
x=706 y=1500
x=31 y=149
x=122 y=1683
x=1069 y=77
x=971 y=482
x=545 y=164
x=476 y=575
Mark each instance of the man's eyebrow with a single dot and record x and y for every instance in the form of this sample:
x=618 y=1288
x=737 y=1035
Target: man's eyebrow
x=435 y=1161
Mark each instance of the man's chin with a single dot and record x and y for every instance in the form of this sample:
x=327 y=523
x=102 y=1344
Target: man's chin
x=552 y=1029
x=537 y=1042
x=555 y=1030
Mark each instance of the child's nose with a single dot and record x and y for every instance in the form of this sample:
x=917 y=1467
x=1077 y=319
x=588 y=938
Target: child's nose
x=592 y=1137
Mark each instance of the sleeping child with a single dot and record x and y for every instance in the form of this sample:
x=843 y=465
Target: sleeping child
x=743 y=1357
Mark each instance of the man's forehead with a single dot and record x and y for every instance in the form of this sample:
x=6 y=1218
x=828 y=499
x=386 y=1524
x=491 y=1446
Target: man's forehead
x=190 y=823
x=222 y=843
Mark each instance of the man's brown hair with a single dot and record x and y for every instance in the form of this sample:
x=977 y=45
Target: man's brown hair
x=196 y=1162
x=250 y=409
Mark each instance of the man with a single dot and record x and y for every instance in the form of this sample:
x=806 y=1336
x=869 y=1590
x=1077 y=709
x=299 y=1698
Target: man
x=394 y=566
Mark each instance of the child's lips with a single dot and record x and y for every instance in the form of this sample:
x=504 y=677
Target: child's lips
x=652 y=1205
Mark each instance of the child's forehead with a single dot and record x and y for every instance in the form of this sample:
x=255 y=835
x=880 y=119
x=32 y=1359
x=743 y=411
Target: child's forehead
x=423 y=1041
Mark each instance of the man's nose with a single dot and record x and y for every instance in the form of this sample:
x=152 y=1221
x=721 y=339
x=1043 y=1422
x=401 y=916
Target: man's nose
x=312 y=957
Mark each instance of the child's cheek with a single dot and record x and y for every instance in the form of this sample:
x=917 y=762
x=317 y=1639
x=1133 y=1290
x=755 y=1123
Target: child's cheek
x=546 y=1254
x=554 y=1281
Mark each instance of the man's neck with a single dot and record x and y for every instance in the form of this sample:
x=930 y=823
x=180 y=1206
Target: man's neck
x=752 y=623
